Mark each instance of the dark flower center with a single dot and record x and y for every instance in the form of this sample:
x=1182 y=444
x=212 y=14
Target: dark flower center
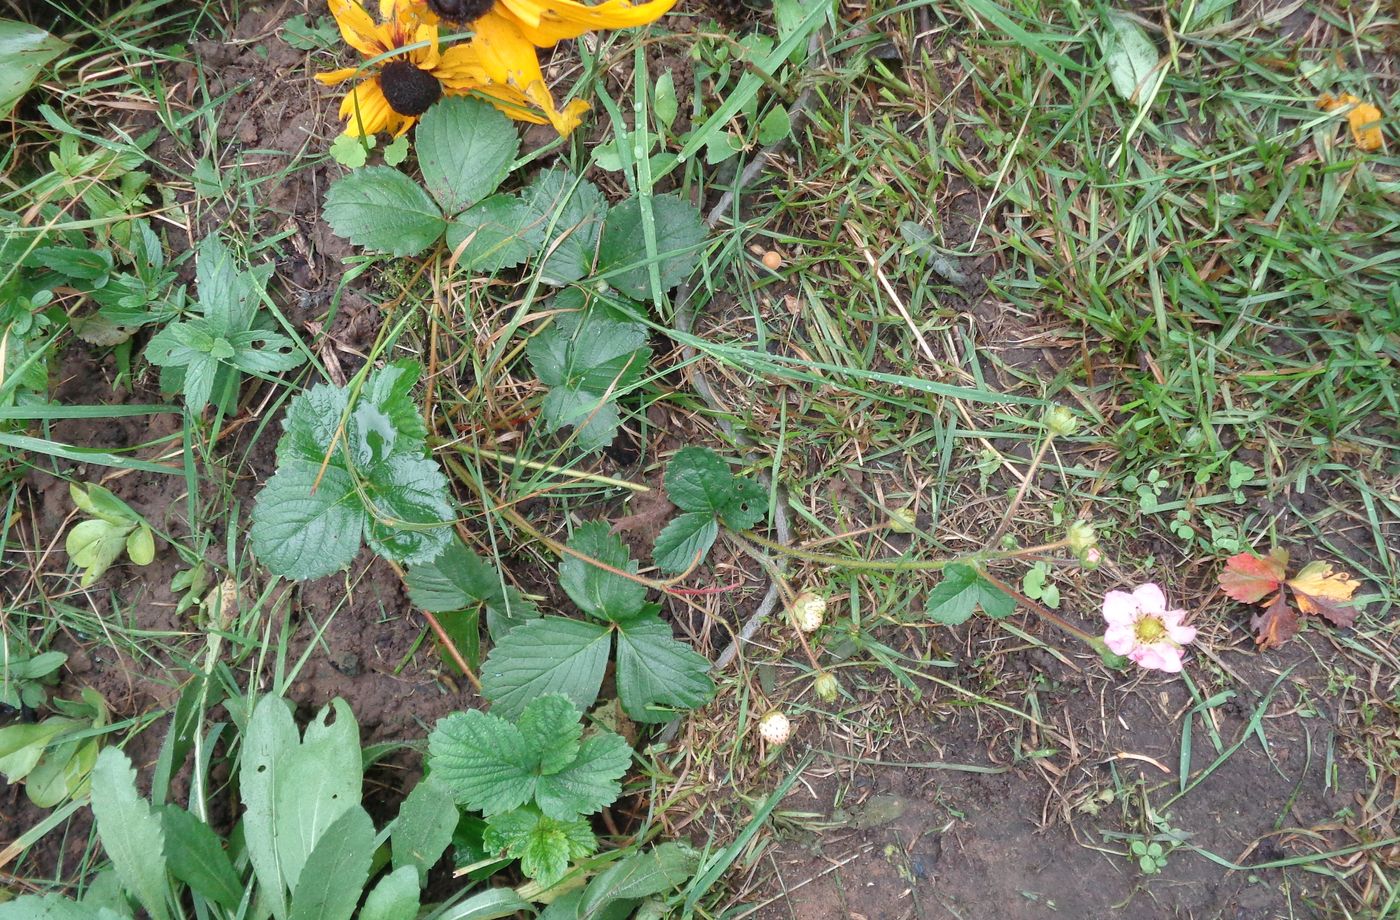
x=410 y=91
x=460 y=11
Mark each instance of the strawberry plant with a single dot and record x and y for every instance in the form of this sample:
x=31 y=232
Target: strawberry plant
x=204 y=356
x=657 y=676
x=353 y=466
x=534 y=779
x=701 y=485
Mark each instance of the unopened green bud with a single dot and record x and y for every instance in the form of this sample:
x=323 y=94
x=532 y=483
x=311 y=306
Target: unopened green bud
x=1080 y=537
x=1091 y=558
x=902 y=520
x=1061 y=421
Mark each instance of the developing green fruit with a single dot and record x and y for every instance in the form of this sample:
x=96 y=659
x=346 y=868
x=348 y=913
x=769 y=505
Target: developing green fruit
x=808 y=611
x=775 y=728
x=827 y=687
x=1081 y=537
x=1061 y=421
x=902 y=520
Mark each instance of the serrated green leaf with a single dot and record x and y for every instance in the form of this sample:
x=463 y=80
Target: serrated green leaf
x=698 y=480
x=410 y=507
x=259 y=352
x=336 y=870
x=394 y=898
x=962 y=590
x=310 y=423
x=570 y=212
x=423 y=829
x=641 y=875
x=595 y=420
x=589 y=352
x=482 y=760
x=459 y=579
x=590 y=783
x=499 y=233
x=597 y=590
x=130 y=831
x=684 y=540
x=657 y=675
x=303 y=529
x=544 y=845
x=548 y=655
x=390 y=390
x=622 y=253
x=24 y=50
x=465 y=149
x=382 y=209
x=748 y=505
x=197 y=858
x=551 y=728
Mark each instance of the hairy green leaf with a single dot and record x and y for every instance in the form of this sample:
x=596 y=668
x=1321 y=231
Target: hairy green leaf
x=483 y=760
x=590 y=783
x=569 y=212
x=548 y=655
x=465 y=149
x=596 y=590
x=130 y=831
x=382 y=209
x=962 y=590
x=303 y=528
x=685 y=539
x=656 y=674
x=622 y=253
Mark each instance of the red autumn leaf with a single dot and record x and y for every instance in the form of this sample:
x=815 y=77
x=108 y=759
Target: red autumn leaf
x=1249 y=579
x=1275 y=624
x=1318 y=591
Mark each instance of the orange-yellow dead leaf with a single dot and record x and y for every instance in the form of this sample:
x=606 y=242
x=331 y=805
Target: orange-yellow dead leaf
x=1318 y=591
x=1249 y=578
x=1363 y=117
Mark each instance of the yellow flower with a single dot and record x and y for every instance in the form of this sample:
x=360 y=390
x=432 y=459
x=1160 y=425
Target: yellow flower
x=408 y=72
x=505 y=34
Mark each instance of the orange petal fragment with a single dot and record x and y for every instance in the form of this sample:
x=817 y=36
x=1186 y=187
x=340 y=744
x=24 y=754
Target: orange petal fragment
x=1363 y=118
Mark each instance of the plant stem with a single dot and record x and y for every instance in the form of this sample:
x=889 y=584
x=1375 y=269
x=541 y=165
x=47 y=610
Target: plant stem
x=1046 y=613
x=546 y=467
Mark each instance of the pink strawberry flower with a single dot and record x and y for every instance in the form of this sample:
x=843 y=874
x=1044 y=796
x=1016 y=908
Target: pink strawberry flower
x=1141 y=627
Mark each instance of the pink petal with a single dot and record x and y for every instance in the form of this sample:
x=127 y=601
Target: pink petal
x=1119 y=638
x=1142 y=655
x=1120 y=608
x=1181 y=635
x=1150 y=598
x=1170 y=657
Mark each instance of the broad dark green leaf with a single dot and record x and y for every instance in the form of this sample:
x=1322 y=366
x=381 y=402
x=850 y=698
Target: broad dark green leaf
x=622 y=253
x=410 y=509
x=303 y=529
x=590 y=783
x=382 y=209
x=197 y=858
x=483 y=760
x=465 y=149
x=641 y=875
x=962 y=590
x=548 y=655
x=595 y=589
x=459 y=579
x=685 y=539
x=657 y=676
x=569 y=212
x=500 y=232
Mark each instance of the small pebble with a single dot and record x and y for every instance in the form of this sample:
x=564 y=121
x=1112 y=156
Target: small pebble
x=772 y=261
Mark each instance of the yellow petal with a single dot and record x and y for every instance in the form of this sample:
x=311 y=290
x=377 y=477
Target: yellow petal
x=428 y=56
x=564 y=122
x=358 y=28
x=510 y=101
x=365 y=110
x=1363 y=118
x=504 y=52
x=333 y=77
x=545 y=22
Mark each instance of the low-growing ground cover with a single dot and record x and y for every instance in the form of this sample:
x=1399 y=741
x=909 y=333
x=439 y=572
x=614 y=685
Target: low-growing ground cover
x=726 y=482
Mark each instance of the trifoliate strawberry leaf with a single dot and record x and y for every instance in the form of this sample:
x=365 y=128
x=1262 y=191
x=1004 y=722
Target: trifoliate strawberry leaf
x=498 y=233
x=962 y=590
x=459 y=579
x=590 y=783
x=588 y=358
x=465 y=149
x=551 y=726
x=679 y=232
x=310 y=424
x=700 y=483
x=483 y=761
x=382 y=209
x=307 y=523
x=685 y=540
x=410 y=509
x=570 y=212
x=548 y=655
x=657 y=675
x=596 y=590
x=545 y=846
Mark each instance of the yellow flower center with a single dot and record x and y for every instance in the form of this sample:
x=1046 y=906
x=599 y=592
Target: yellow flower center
x=408 y=90
x=1149 y=629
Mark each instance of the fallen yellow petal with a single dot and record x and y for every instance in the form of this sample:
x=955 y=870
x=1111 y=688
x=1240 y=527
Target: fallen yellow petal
x=1363 y=118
